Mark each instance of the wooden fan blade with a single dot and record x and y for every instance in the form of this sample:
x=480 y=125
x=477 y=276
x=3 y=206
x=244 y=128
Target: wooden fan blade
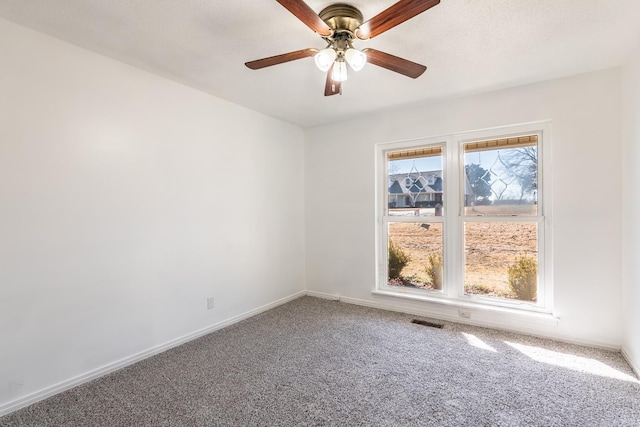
x=331 y=87
x=308 y=17
x=394 y=15
x=279 y=59
x=394 y=63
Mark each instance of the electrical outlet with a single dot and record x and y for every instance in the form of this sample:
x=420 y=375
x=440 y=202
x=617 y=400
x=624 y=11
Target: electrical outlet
x=209 y=303
x=464 y=313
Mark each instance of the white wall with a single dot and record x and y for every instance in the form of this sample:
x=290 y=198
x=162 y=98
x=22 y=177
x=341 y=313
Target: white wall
x=586 y=152
x=631 y=209
x=125 y=201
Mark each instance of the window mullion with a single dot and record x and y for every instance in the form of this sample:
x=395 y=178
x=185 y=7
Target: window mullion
x=452 y=244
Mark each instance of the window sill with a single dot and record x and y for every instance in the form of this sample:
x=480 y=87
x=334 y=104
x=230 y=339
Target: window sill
x=539 y=317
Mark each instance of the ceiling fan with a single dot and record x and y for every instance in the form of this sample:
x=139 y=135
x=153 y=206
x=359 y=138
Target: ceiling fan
x=340 y=25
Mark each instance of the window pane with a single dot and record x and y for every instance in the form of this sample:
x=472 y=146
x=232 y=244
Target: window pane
x=501 y=177
x=415 y=255
x=415 y=184
x=501 y=259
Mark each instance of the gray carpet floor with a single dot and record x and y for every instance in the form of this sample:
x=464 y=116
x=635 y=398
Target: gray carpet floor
x=314 y=362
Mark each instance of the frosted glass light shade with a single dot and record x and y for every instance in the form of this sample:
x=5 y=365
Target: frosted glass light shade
x=355 y=58
x=325 y=58
x=339 y=73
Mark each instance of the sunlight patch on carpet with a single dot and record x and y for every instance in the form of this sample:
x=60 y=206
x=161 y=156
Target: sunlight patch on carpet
x=477 y=342
x=572 y=362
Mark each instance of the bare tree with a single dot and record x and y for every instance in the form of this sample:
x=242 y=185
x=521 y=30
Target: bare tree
x=522 y=164
x=480 y=181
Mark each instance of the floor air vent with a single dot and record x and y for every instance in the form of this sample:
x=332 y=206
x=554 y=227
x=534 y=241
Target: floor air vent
x=427 y=323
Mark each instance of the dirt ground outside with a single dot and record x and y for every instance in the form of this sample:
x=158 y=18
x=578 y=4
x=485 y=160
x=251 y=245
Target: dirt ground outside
x=490 y=248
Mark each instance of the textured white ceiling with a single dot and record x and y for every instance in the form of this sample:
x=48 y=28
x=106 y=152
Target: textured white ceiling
x=468 y=46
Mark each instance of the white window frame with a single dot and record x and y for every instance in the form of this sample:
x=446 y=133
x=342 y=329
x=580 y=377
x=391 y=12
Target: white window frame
x=454 y=219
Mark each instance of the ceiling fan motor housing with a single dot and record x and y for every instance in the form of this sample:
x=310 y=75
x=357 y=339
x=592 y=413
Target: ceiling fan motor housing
x=341 y=17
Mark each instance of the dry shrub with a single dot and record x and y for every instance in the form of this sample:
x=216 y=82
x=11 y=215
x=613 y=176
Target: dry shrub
x=434 y=271
x=523 y=278
x=398 y=259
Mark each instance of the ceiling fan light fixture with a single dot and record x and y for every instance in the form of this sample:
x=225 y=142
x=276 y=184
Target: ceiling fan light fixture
x=325 y=58
x=355 y=58
x=339 y=73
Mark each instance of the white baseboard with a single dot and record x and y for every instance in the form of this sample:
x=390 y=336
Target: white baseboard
x=322 y=295
x=634 y=366
x=539 y=330
x=46 y=392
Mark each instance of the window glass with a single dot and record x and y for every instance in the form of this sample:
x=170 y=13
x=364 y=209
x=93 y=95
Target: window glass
x=415 y=183
x=501 y=260
x=415 y=257
x=501 y=177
